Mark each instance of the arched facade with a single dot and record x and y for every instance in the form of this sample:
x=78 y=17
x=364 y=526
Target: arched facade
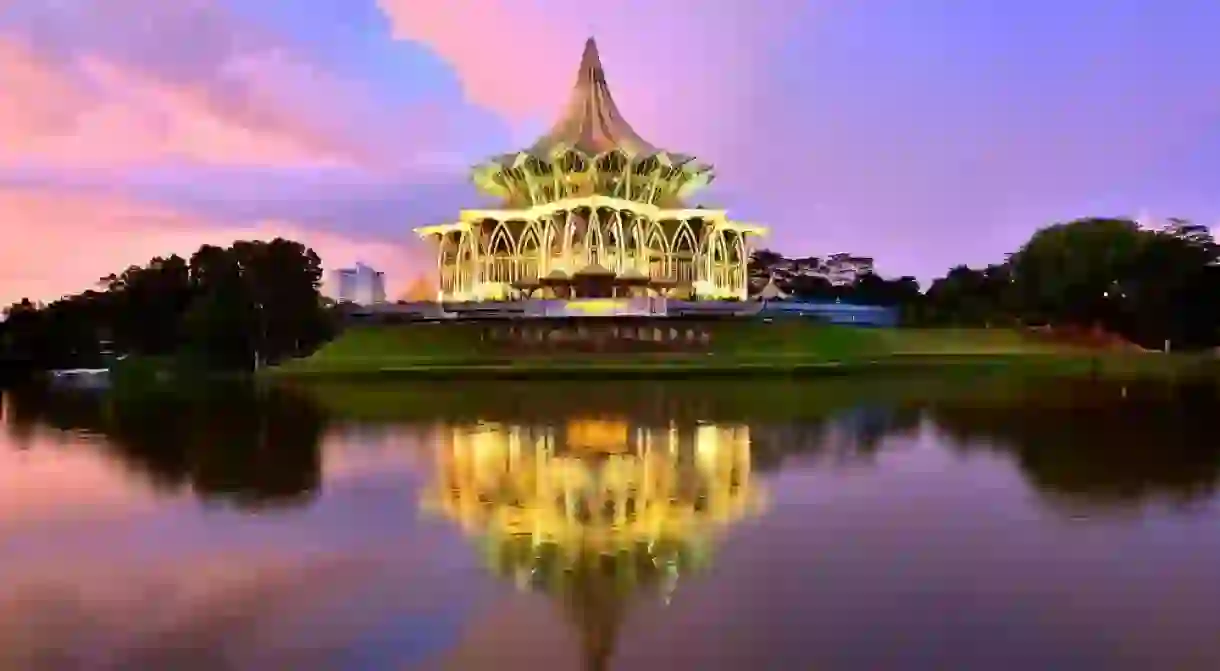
x=486 y=256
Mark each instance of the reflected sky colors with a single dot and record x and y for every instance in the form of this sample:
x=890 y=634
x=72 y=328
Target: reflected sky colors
x=890 y=540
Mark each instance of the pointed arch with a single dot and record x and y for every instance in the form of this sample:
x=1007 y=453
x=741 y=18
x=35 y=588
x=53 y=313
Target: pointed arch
x=612 y=238
x=552 y=228
x=501 y=240
x=530 y=238
x=654 y=236
x=529 y=252
x=633 y=236
x=449 y=247
x=447 y=261
x=468 y=262
x=684 y=239
x=741 y=265
x=705 y=241
x=594 y=243
x=574 y=229
x=656 y=246
x=683 y=254
x=500 y=252
x=718 y=260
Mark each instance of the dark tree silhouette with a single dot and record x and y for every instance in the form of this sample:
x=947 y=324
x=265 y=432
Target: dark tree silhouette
x=232 y=443
x=224 y=308
x=1094 y=444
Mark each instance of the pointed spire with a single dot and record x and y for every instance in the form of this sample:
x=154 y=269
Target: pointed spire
x=590 y=58
x=591 y=71
x=592 y=122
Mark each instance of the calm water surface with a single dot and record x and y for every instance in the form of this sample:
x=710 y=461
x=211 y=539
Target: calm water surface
x=626 y=527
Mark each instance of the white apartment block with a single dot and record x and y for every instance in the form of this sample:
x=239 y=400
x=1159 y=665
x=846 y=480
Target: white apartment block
x=361 y=285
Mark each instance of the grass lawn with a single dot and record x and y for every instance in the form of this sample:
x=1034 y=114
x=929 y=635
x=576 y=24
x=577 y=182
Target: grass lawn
x=737 y=349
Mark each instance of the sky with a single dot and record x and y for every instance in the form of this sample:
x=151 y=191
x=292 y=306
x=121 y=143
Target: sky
x=924 y=133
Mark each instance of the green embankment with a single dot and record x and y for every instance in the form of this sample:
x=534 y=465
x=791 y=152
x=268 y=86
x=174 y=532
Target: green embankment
x=795 y=347
x=390 y=400
x=665 y=399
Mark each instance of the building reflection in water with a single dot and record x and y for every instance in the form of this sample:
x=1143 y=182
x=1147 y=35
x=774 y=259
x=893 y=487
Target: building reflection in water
x=595 y=510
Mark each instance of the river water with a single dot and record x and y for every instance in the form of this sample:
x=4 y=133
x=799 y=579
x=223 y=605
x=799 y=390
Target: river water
x=877 y=525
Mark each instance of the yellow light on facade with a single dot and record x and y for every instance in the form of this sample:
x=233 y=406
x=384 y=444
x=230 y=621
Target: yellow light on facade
x=598 y=306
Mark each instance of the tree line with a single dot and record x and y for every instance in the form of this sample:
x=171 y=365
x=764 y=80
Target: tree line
x=224 y=308
x=257 y=303
x=1146 y=285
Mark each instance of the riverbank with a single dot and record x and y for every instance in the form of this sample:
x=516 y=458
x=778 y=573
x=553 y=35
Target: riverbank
x=736 y=350
x=727 y=400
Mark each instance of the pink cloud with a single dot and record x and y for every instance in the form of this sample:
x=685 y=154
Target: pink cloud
x=705 y=59
x=189 y=82
x=97 y=114
x=59 y=243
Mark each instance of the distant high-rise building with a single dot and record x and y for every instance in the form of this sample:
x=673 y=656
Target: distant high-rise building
x=361 y=285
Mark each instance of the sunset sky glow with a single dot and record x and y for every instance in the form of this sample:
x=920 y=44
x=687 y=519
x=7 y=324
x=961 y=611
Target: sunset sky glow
x=922 y=132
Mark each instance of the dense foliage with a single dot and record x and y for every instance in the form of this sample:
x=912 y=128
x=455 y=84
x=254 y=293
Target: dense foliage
x=224 y=308
x=1149 y=286
x=257 y=303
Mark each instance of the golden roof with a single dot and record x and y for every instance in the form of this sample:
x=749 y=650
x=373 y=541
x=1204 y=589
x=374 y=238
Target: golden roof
x=591 y=150
x=592 y=122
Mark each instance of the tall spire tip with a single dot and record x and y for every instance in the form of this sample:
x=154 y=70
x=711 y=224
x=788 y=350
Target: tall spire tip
x=591 y=57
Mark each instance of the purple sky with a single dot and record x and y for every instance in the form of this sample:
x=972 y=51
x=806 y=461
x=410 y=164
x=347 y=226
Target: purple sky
x=922 y=132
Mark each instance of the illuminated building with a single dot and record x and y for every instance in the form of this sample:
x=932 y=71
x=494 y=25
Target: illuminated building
x=591 y=210
x=594 y=510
